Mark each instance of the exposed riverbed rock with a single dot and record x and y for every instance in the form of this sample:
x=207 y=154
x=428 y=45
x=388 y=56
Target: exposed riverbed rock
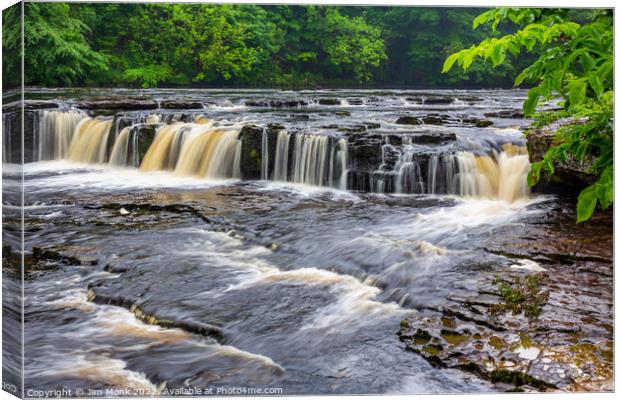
x=180 y=105
x=329 y=102
x=570 y=176
x=276 y=103
x=516 y=114
x=568 y=345
x=113 y=104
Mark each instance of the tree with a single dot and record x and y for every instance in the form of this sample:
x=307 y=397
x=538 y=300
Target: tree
x=56 y=50
x=576 y=64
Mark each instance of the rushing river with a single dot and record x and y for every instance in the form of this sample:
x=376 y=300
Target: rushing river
x=180 y=267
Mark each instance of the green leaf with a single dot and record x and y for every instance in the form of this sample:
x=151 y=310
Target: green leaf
x=577 y=92
x=596 y=84
x=586 y=203
x=498 y=54
x=534 y=175
x=447 y=65
x=532 y=100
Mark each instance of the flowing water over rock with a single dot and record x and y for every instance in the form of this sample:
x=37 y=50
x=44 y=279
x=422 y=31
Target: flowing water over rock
x=253 y=238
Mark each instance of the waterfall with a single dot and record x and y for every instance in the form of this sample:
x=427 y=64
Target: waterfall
x=55 y=131
x=316 y=160
x=161 y=151
x=343 y=160
x=280 y=168
x=265 y=157
x=121 y=147
x=503 y=176
x=310 y=159
x=492 y=175
x=192 y=149
x=90 y=140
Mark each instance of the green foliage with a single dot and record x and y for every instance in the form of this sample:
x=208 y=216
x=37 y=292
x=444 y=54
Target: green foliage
x=149 y=75
x=521 y=295
x=11 y=46
x=576 y=64
x=251 y=45
x=55 y=46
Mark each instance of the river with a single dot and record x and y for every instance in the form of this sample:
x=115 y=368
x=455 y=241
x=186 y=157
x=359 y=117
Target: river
x=183 y=239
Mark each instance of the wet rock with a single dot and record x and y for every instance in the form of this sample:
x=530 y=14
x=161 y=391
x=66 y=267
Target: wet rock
x=570 y=177
x=433 y=137
x=329 y=102
x=126 y=103
x=145 y=136
x=431 y=100
x=483 y=123
x=407 y=120
x=516 y=114
x=180 y=105
x=366 y=156
x=61 y=258
x=251 y=138
x=30 y=105
x=433 y=120
x=567 y=345
x=299 y=117
x=372 y=125
x=199 y=328
x=355 y=101
x=470 y=99
x=276 y=103
x=343 y=113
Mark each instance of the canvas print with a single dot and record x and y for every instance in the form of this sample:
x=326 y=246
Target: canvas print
x=210 y=199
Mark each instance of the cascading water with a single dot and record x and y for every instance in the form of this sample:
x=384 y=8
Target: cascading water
x=265 y=157
x=120 y=151
x=90 y=140
x=316 y=160
x=56 y=130
x=195 y=149
x=201 y=149
x=280 y=169
x=498 y=175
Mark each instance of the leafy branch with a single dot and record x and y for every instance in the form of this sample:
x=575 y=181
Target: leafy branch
x=575 y=64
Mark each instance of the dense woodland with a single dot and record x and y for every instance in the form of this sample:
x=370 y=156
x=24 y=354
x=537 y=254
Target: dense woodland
x=246 y=45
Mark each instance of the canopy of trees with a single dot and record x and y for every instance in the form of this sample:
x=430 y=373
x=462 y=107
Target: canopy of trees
x=243 y=45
